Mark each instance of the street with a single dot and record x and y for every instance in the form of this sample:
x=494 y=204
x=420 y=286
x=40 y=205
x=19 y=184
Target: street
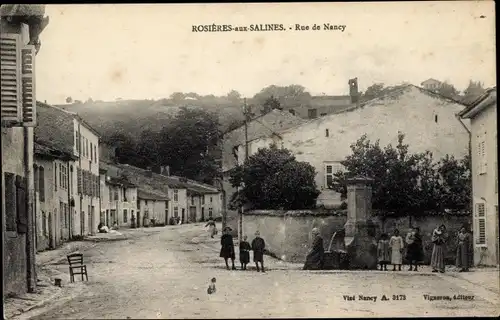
x=166 y=274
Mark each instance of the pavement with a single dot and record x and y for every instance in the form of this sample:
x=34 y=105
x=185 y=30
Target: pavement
x=164 y=272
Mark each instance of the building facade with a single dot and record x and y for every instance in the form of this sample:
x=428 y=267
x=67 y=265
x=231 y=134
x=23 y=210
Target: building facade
x=427 y=120
x=18 y=117
x=68 y=132
x=484 y=147
x=53 y=200
x=431 y=84
x=152 y=208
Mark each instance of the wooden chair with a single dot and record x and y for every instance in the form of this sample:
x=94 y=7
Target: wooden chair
x=76 y=266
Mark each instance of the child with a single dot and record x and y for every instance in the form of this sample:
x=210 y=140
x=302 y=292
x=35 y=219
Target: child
x=384 y=255
x=258 y=246
x=211 y=287
x=244 y=253
x=397 y=245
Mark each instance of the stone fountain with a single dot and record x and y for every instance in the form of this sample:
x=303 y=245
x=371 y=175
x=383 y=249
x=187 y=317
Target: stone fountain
x=355 y=246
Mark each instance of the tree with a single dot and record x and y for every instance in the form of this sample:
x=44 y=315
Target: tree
x=372 y=92
x=474 y=90
x=186 y=145
x=234 y=96
x=448 y=90
x=177 y=96
x=406 y=183
x=273 y=179
x=292 y=95
x=270 y=104
x=69 y=100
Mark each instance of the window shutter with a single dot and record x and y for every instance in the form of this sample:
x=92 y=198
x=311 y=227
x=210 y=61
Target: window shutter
x=79 y=180
x=55 y=176
x=10 y=202
x=28 y=86
x=481 y=224
x=10 y=58
x=22 y=216
x=41 y=184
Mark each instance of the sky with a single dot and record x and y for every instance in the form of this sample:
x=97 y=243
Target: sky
x=135 y=51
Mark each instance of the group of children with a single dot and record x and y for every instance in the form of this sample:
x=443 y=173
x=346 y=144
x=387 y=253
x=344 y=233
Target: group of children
x=258 y=247
x=390 y=251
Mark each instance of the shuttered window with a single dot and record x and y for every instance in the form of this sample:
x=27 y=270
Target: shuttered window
x=41 y=183
x=22 y=212
x=480 y=217
x=330 y=170
x=11 y=100
x=10 y=202
x=79 y=180
x=28 y=86
x=55 y=176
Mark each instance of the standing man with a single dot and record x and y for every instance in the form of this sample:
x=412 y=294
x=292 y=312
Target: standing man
x=258 y=246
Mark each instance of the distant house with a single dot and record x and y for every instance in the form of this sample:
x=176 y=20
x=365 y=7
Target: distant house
x=320 y=106
x=52 y=200
x=69 y=132
x=258 y=127
x=189 y=200
x=484 y=144
x=118 y=199
x=431 y=84
x=152 y=206
x=427 y=119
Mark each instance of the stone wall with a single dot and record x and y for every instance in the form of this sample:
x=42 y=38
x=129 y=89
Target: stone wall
x=287 y=233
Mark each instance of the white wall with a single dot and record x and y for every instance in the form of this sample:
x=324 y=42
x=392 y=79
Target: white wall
x=180 y=203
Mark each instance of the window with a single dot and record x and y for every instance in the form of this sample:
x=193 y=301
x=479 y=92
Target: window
x=327 y=133
x=330 y=169
x=95 y=153
x=203 y=199
x=211 y=199
x=117 y=196
x=312 y=113
x=176 y=212
x=77 y=141
x=10 y=202
x=91 y=152
x=146 y=202
x=55 y=176
x=60 y=176
x=44 y=224
x=481 y=153
x=210 y=212
x=176 y=195
x=125 y=217
x=436 y=118
x=41 y=183
x=61 y=213
x=139 y=204
x=124 y=195
x=480 y=216
x=192 y=200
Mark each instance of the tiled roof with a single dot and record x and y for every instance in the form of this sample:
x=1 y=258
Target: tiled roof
x=54 y=126
x=259 y=127
x=151 y=195
x=48 y=150
x=159 y=181
x=121 y=181
x=474 y=102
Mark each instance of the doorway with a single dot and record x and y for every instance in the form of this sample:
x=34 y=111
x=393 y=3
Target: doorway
x=183 y=216
x=51 y=232
x=192 y=214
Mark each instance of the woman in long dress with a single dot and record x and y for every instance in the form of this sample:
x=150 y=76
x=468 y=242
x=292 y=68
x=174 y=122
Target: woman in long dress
x=415 y=252
x=383 y=251
x=227 y=247
x=437 y=257
x=315 y=258
x=463 y=250
x=396 y=243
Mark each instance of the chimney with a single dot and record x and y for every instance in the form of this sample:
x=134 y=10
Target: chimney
x=149 y=173
x=353 y=90
x=165 y=170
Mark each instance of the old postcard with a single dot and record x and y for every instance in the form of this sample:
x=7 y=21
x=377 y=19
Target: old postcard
x=249 y=160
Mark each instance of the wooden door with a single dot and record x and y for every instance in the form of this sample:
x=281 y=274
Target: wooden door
x=192 y=214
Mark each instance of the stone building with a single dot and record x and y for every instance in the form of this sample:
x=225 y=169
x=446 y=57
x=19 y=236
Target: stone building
x=20 y=27
x=484 y=150
x=428 y=121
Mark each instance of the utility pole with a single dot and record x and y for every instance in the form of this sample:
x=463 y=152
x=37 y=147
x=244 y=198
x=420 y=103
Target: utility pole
x=245 y=111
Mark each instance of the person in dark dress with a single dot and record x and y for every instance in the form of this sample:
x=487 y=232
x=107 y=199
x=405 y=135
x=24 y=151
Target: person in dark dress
x=244 y=253
x=227 y=247
x=463 y=250
x=258 y=246
x=414 y=253
x=315 y=258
